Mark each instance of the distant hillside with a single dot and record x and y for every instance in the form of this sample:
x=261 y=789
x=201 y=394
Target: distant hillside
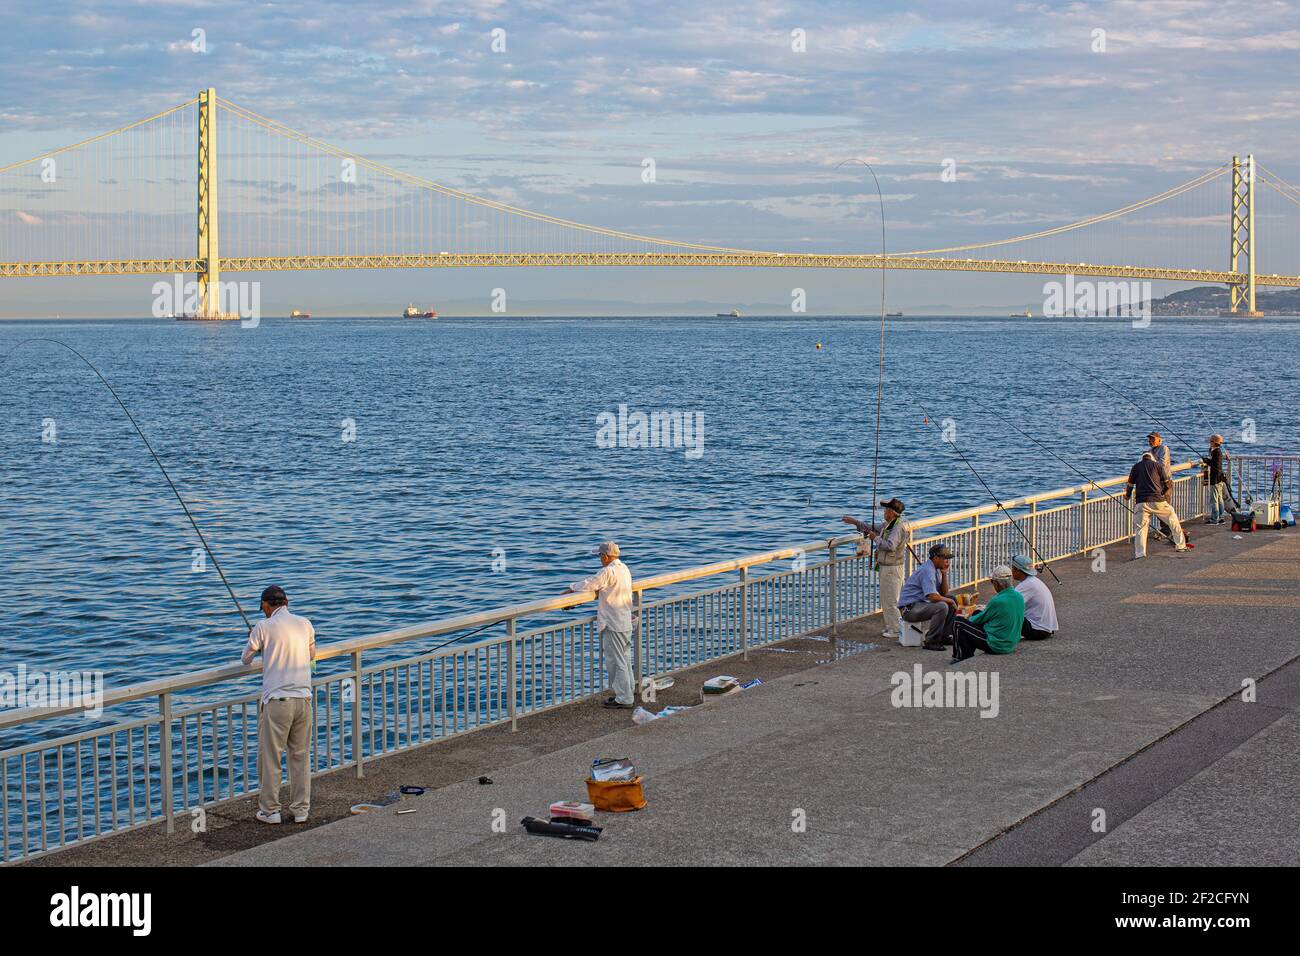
x=1213 y=299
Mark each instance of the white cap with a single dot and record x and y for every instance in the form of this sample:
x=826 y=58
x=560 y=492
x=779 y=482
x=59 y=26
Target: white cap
x=608 y=548
x=1001 y=573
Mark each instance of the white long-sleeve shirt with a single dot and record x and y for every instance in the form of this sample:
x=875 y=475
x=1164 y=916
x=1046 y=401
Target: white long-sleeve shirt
x=1040 y=606
x=613 y=587
x=287 y=643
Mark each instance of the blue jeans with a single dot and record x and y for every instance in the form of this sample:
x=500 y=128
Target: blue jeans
x=1217 y=508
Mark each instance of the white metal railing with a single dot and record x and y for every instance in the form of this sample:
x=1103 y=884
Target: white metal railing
x=76 y=787
x=1258 y=477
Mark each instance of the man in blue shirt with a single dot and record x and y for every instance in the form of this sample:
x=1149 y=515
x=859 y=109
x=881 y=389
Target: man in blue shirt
x=924 y=598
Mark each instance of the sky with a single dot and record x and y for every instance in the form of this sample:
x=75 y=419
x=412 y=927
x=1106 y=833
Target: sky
x=1040 y=113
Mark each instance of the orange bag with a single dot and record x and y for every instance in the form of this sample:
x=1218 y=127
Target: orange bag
x=616 y=796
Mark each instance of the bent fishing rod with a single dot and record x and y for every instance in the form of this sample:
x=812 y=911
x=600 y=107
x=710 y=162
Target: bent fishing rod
x=157 y=461
x=996 y=500
x=880 y=374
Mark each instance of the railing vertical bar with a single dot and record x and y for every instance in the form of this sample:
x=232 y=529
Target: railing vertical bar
x=165 y=758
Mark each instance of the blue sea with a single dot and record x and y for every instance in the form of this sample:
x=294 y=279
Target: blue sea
x=389 y=472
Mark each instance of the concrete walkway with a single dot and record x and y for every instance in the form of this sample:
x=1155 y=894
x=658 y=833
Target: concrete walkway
x=1146 y=647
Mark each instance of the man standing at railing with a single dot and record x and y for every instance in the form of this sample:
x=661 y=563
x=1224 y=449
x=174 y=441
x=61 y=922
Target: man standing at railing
x=890 y=543
x=1218 y=479
x=924 y=598
x=287 y=644
x=1148 y=484
x=613 y=587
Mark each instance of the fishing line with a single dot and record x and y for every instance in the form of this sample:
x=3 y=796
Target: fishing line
x=158 y=461
x=996 y=500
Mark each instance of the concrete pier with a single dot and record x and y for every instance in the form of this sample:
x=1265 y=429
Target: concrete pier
x=1134 y=709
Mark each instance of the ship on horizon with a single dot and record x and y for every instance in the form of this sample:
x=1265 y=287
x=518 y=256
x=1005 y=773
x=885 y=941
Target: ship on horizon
x=733 y=314
x=299 y=314
x=411 y=312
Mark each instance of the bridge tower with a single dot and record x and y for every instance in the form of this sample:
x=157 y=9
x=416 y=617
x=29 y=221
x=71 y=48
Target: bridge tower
x=1242 y=249
x=209 y=304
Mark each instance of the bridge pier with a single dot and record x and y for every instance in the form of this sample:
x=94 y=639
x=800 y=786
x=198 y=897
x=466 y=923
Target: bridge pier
x=209 y=276
x=1242 y=243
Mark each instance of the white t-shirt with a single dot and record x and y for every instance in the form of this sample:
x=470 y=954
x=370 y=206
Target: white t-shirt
x=287 y=643
x=613 y=587
x=1040 y=606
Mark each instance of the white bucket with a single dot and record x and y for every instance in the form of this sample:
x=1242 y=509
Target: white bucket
x=910 y=635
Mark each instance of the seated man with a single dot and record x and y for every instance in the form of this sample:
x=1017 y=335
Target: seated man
x=996 y=629
x=925 y=598
x=1040 y=606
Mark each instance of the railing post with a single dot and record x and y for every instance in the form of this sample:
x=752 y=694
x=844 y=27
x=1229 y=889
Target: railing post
x=744 y=613
x=358 y=745
x=1083 y=521
x=833 y=613
x=1033 y=530
x=514 y=687
x=165 y=768
x=637 y=599
x=975 y=550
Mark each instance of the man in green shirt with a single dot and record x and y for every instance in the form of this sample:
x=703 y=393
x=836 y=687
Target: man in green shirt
x=996 y=629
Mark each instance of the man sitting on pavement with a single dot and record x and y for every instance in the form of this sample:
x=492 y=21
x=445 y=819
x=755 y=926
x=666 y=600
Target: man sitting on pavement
x=925 y=598
x=891 y=543
x=1040 y=606
x=995 y=629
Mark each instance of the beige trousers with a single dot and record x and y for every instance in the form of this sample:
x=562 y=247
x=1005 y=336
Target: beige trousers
x=891 y=586
x=1142 y=515
x=284 y=724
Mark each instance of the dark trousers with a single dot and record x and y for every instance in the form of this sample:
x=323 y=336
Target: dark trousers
x=1030 y=633
x=966 y=638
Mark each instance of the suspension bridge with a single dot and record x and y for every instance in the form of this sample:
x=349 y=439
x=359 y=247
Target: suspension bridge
x=250 y=194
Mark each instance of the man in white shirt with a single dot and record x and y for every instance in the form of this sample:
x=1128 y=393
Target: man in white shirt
x=287 y=644
x=613 y=587
x=1040 y=607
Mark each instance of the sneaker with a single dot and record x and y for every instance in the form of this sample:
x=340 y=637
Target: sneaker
x=613 y=704
x=300 y=818
x=1181 y=550
x=265 y=817
x=934 y=645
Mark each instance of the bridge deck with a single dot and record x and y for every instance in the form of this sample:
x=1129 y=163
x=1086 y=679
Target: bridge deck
x=1146 y=648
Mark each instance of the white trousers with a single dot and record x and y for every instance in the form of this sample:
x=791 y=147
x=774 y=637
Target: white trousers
x=1142 y=515
x=891 y=586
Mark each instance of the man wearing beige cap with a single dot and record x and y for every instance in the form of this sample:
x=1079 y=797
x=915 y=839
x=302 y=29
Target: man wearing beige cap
x=891 y=543
x=613 y=587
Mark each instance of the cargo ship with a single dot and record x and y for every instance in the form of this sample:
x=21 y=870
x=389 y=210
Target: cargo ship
x=299 y=314
x=733 y=314
x=411 y=312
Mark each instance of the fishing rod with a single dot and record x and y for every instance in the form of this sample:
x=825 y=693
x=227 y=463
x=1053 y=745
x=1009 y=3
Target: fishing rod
x=996 y=500
x=1022 y=432
x=1099 y=380
x=158 y=461
x=880 y=376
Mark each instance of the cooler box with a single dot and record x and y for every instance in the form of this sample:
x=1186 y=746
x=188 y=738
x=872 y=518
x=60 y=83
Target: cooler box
x=1266 y=513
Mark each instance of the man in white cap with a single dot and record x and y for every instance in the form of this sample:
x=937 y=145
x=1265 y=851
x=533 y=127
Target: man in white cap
x=1040 y=607
x=613 y=587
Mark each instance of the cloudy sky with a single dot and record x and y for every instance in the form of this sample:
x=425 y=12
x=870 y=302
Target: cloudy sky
x=1047 y=112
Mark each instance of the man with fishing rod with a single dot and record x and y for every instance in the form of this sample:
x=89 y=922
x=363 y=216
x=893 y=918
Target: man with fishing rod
x=890 y=543
x=1217 y=462
x=287 y=644
x=613 y=587
x=1150 y=488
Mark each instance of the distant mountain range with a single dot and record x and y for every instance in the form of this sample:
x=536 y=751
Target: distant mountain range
x=1213 y=299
